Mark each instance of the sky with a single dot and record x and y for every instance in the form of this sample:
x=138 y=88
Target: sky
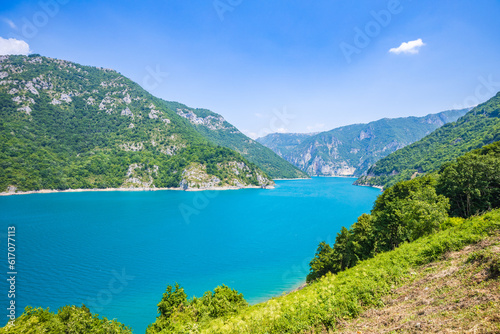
x=281 y=65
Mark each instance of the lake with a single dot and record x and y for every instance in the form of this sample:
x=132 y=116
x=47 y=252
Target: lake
x=117 y=251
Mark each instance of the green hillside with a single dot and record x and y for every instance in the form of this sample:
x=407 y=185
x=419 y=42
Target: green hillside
x=351 y=150
x=478 y=127
x=67 y=126
x=218 y=131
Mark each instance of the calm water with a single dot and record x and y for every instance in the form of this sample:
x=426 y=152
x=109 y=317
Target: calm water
x=117 y=251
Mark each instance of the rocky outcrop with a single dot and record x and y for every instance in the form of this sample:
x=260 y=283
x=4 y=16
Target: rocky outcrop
x=213 y=122
x=240 y=176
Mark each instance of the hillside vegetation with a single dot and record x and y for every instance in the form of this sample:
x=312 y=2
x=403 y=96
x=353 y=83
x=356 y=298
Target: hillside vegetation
x=478 y=127
x=218 y=131
x=351 y=150
x=416 y=208
x=67 y=126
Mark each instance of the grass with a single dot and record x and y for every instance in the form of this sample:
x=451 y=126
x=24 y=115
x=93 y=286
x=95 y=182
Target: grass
x=335 y=300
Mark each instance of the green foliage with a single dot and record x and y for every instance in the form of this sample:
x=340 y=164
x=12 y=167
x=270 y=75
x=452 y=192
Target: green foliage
x=172 y=299
x=180 y=315
x=227 y=135
x=324 y=262
x=92 y=141
x=472 y=183
x=407 y=211
x=403 y=213
x=478 y=127
x=68 y=319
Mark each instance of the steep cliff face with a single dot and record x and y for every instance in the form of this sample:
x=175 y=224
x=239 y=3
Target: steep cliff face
x=351 y=150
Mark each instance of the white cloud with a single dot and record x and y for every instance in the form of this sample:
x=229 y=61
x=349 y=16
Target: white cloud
x=411 y=47
x=13 y=46
x=10 y=23
x=281 y=130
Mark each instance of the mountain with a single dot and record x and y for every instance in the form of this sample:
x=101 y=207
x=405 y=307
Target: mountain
x=68 y=126
x=218 y=131
x=284 y=143
x=351 y=150
x=478 y=127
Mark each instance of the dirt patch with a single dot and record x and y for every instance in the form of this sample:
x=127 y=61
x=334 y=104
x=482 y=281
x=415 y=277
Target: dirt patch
x=459 y=294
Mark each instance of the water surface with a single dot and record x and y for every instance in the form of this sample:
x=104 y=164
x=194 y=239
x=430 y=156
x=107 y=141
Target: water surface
x=117 y=251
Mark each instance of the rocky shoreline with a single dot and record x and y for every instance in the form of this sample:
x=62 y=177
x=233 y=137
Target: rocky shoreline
x=368 y=185
x=51 y=191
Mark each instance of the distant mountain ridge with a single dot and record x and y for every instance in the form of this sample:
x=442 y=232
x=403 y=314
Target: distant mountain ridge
x=69 y=126
x=479 y=127
x=351 y=150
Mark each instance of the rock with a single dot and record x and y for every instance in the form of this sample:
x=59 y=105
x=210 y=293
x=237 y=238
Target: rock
x=66 y=98
x=26 y=109
x=127 y=112
x=31 y=88
x=127 y=99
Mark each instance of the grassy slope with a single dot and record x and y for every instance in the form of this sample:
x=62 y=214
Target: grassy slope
x=334 y=299
x=459 y=294
x=478 y=127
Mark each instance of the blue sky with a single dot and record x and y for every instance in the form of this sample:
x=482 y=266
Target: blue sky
x=268 y=66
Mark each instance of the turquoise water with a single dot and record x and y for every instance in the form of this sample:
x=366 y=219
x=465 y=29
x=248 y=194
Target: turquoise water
x=117 y=251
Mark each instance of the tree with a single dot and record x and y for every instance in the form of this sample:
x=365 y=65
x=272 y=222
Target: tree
x=472 y=183
x=407 y=211
x=172 y=299
x=322 y=263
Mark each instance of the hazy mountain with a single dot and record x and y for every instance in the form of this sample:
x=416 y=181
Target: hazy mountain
x=351 y=150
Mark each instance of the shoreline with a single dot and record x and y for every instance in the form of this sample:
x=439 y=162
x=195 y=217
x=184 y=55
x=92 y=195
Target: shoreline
x=298 y=288
x=299 y=178
x=370 y=186
x=53 y=191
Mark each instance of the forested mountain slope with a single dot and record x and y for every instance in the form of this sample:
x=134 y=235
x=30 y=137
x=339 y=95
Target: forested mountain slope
x=67 y=126
x=218 y=131
x=478 y=127
x=351 y=150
